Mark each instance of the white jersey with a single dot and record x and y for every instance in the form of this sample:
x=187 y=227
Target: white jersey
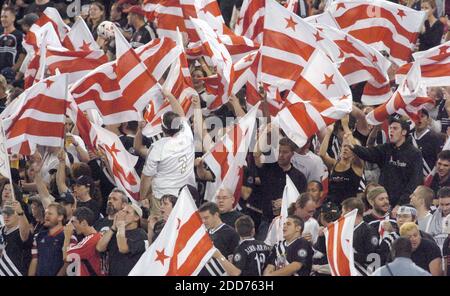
x=310 y=165
x=275 y=232
x=171 y=163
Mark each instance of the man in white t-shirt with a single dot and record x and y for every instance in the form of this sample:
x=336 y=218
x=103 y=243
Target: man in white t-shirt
x=170 y=161
x=310 y=164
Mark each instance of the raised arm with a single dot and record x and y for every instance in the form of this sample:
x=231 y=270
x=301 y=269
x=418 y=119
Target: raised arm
x=61 y=172
x=361 y=123
x=138 y=144
x=329 y=162
x=176 y=107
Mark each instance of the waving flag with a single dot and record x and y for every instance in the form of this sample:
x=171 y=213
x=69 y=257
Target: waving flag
x=121 y=162
x=320 y=97
x=37 y=116
x=5 y=170
x=339 y=243
x=434 y=66
x=227 y=157
x=361 y=62
x=408 y=100
x=182 y=248
x=251 y=20
x=383 y=24
x=120 y=89
x=220 y=58
x=288 y=43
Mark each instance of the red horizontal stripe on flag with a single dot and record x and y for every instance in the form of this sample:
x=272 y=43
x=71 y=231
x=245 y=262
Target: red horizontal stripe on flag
x=35 y=127
x=286 y=43
x=280 y=68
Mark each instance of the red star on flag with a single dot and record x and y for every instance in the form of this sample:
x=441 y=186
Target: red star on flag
x=112 y=149
x=86 y=46
x=328 y=80
x=401 y=13
x=160 y=256
x=443 y=49
x=248 y=58
x=318 y=37
x=49 y=83
x=340 y=5
x=290 y=23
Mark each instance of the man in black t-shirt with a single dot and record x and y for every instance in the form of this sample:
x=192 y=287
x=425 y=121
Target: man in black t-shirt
x=426 y=253
x=12 y=53
x=250 y=256
x=144 y=32
x=293 y=256
x=124 y=241
x=83 y=191
x=273 y=181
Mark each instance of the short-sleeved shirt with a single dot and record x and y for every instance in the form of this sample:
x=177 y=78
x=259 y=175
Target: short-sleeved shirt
x=15 y=254
x=426 y=252
x=88 y=255
x=310 y=165
x=10 y=47
x=48 y=251
x=251 y=256
x=299 y=250
x=91 y=204
x=225 y=239
x=103 y=224
x=121 y=264
x=171 y=163
x=273 y=181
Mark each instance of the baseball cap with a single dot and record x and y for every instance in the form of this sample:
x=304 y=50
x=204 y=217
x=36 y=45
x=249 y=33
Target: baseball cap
x=84 y=180
x=407 y=210
x=28 y=19
x=135 y=9
x=7 y=210
x=424 y=112
x=137 y=209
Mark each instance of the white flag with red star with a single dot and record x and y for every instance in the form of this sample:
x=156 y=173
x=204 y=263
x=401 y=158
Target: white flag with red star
x=182 y=248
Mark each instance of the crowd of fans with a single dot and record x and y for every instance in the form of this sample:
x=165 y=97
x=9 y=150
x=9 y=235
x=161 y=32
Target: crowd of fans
x=63 y=215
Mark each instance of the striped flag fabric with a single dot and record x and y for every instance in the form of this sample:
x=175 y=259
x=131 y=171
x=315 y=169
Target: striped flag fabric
x=408 y=100
x=383 y=24
x=183 y=246
x=361 y=62
x=250 y=22
x=288 y=43
x=227 y=158
x=220 y=58
x=434 y=66
x=339 y=245
x=120 y=89
x=320 y=97
x=37 y=116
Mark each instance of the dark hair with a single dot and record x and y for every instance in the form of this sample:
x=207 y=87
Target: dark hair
x=60 y=210
x=85 y=214
x=244 y=226
x=291 y=209
x=171 y=123
x=17 y=191
x=297 y=221
x=171 y=198
x=317 y=183
x=81 y=169
x=303 y=199
x=403 y=123
x=444 y=192
x=288 y=142
x=209 y=206
x=401 y=248
x=444 y=155
x=354 y=203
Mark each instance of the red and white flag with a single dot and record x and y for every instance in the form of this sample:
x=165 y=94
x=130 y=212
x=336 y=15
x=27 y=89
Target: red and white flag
x=83 y=124
x=250 y=22
x=288 y=43
x=121 y=162
x=408 y=100
x=182 y=248
x=37 y=116
x=383 y=24
x=361 y=62
x=5 y=169
x=339 y=243
x=434 y=66
x=220 y=59
x=119 y=90
x=227 y=158
x=320 y=97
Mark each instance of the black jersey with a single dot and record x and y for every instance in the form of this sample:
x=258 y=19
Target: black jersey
x=225 y=239
x=15 y=255
x=365 y=244
x=144 y=35
x=251 y=256
x=299 y=250
x=376 y=222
